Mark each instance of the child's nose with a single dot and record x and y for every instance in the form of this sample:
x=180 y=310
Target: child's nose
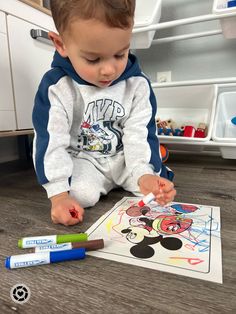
x=107 y=69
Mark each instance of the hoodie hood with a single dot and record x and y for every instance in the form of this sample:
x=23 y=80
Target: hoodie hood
x=132 y=69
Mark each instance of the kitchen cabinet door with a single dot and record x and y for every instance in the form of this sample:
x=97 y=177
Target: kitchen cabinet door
x=30 y=59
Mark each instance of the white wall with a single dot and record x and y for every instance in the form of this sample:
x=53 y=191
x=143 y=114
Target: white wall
x=200 y=58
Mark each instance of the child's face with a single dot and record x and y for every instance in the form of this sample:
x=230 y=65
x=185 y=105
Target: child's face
x=97 y=52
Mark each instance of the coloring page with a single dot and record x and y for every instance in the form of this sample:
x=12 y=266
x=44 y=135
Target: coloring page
x=179 y=238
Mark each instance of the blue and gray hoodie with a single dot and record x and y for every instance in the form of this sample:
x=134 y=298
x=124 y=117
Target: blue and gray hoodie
x=71 y=116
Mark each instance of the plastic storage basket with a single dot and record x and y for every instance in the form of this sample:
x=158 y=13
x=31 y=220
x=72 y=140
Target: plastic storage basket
x=228 y=24
x=224 y=130
x=187 y=105
x=147 y=13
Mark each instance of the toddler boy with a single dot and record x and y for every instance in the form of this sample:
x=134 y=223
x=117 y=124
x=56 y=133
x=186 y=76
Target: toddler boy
x=94 y=112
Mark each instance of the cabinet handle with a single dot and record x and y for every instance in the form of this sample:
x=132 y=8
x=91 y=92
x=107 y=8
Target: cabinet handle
x=40 y=35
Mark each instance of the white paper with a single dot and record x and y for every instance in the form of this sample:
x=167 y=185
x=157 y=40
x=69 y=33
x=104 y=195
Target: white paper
x=181 y=238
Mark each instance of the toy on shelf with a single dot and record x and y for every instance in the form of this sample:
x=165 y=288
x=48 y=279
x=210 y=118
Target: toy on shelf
x=165 y=127
x=170 y=128
x=178 y=131
x=189 y=131
x=201 y=130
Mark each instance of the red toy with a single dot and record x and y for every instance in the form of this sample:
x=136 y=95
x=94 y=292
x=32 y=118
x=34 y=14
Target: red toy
x=201 y=131
x=189 y=131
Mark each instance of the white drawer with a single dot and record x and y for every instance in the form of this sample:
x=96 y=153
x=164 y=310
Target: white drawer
x=30 y=59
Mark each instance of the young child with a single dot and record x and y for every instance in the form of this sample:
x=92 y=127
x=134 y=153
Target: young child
x=94 y=112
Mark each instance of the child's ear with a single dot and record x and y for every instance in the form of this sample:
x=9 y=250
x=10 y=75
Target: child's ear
x=58 y=43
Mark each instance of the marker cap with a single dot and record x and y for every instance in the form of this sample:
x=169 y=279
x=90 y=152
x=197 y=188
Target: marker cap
x=7 y=262
x=69 y=255
x=20 y=243
x=77 y=237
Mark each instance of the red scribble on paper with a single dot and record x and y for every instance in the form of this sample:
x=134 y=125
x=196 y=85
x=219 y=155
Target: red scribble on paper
x=190 y=246
x=121 y=213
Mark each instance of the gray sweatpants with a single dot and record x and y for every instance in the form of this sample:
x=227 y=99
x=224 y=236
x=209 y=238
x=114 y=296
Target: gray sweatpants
x=92 y=178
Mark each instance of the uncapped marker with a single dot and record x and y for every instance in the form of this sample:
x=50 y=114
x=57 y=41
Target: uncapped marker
x=147 y=199
x=30 y=242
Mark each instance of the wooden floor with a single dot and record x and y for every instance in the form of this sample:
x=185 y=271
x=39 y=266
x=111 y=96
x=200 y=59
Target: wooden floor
x=101 y=286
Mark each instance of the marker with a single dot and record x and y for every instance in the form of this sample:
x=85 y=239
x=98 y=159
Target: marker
x=30 y=242
x=88 y=245
x=147 y=199
x=36 y=259
x=74 y=213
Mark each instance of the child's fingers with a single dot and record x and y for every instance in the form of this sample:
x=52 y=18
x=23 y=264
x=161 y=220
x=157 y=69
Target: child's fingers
x=169 y=196
x=165 y=197
x=69 y=217
x=169 y=186
x=77 y=213
x=74 y=213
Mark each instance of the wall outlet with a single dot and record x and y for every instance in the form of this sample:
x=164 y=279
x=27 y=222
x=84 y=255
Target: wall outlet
x=163 y=77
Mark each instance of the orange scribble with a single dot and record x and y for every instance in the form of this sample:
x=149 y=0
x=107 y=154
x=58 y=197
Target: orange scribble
x=191 y=261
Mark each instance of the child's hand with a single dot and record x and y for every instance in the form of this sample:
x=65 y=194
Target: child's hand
x=162 y=188
x=65 y=210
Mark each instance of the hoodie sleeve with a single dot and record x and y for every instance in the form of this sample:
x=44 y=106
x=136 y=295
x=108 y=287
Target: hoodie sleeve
x=51 y=122
x=141 y=144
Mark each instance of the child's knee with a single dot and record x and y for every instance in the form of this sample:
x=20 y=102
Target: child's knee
x=86 y=197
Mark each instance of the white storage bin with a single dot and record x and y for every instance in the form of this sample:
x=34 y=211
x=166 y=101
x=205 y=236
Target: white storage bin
x=224 y=130
x=146 y=14
x=228 y=24
x=187 y=105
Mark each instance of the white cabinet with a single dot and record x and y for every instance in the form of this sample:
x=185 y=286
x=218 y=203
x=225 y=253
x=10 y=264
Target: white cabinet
x=7 y=111
x=30 y=59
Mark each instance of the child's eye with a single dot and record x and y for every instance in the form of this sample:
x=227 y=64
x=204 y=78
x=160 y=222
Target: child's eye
x=93 y=61
x=120 y=56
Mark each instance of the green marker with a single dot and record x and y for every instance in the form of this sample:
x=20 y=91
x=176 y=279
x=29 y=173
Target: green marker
x=31 y=242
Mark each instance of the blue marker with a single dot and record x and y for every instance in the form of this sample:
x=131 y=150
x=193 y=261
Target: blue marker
x=41 y=258
x=233 y=120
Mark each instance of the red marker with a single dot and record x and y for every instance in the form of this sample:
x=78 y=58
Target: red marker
x=147 y=199
x=74 y=213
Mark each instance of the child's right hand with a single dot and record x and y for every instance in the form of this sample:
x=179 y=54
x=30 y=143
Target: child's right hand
x=62 y=206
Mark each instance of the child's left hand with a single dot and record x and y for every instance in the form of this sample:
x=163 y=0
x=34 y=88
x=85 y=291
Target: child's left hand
x=162 y=188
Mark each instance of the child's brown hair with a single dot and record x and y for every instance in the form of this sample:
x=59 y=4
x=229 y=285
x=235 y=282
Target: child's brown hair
x=114 y=13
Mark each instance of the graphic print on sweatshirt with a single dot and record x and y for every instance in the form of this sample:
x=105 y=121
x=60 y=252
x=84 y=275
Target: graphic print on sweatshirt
x=100 y=131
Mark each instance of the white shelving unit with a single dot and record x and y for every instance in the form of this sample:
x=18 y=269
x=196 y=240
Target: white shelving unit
x=147 y=19
x=226 y=17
